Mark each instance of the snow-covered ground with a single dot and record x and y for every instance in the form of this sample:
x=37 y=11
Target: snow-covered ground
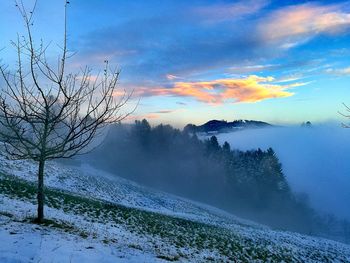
x=210 y=235
x=22 y=242
x=88 y=181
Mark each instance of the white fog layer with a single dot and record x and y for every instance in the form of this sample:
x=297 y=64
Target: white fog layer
x=315 y=161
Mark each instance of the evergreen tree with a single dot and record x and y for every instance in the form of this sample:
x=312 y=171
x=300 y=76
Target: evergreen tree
x=212 y=146
x=226 y=147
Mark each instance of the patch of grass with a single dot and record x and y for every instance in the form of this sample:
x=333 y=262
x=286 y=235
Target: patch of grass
x=58 y=224
x=4 y=213
x=169 y=258
x=55 y=224
x=135 y=246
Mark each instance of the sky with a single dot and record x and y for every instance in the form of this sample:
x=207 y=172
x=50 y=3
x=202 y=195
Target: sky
x=284 y=62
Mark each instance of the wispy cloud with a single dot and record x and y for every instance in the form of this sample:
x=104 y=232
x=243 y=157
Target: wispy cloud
x=229 y=11
x=290 y=78
x=147 y=116
x=250 y=89
x=171 y=76
x=164 y=111
x=254 y=68
x=298 y=24
x=339 y=71
x=151 y=115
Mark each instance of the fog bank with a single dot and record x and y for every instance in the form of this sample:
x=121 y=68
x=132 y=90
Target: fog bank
x=315 y=160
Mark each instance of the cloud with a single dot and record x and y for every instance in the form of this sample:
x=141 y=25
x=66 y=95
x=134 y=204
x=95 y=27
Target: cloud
x=295 y=25
x=171 y=77
x=229 y=11
x=146 y=116
x=289 y=65
x=250 y=89
x=254 y=68
x=339 y=72
x=171 y=42
x=151 y=115
x=164 y=111
x=175 y=39
x=289 y=78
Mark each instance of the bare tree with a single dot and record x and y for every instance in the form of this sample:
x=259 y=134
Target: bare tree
x=46 y=113
x=346 y=115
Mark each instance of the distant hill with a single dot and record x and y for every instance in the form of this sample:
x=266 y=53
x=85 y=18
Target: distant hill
x=214 y=126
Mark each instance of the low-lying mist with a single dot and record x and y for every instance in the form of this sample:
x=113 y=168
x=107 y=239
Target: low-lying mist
x=315 y=161
x=265 y=185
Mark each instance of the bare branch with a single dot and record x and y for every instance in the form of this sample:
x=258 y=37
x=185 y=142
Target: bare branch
x=46 y=113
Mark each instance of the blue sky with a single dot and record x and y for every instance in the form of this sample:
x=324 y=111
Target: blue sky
x=283 y=62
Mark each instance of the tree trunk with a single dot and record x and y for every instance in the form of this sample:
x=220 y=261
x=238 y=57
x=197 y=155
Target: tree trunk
x=40 y=194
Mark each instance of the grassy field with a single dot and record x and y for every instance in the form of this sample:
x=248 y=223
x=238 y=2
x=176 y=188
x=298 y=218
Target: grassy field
x=178 y=232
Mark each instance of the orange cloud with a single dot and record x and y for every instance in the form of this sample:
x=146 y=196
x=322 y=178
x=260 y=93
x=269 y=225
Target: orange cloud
x=296 y=24
x=249 y=89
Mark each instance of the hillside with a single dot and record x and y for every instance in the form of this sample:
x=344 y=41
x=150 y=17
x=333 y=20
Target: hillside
x=96 y=217
x=216 y=126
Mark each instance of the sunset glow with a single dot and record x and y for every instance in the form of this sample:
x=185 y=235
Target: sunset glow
x=210 y=59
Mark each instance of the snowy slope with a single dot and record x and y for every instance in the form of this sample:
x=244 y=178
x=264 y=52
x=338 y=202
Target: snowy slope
x=31 y=243
x=180 y=230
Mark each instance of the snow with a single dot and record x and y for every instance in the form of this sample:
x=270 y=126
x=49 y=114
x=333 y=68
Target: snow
x=30 y=243
x=107 y=242
x=23 y=242
x=89 y=181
